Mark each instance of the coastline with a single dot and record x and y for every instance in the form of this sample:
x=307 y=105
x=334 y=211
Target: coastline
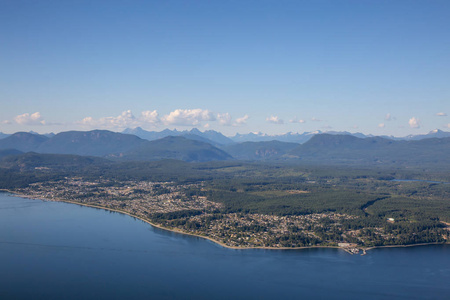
x=176 y=230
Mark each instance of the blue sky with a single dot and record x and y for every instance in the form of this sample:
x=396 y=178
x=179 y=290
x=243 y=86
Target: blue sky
x=378 y=67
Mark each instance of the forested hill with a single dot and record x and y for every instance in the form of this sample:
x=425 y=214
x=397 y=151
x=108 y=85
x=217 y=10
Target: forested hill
x=94 y=143
x=113 y=145
x=23 y=141
x=340 y=149
x=259 y=150
x=176 y=147
x=320 y=149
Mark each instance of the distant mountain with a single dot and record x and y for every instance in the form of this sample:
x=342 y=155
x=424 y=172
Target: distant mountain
x=300 y=138
x=9 y=152
x=356 y=134
x=3 y=135
x=290 y=137
x=23 y=141
x=105 y=143
x=195 y=137
x=259 y=150
x=93 y=143
x=326 y=148
x=195 y=145
x=176 y=147
x=49 y=135
x=437 y=133
x=151 y=135
x=213 y=136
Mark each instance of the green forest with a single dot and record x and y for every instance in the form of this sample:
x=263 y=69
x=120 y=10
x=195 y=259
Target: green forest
x=416 y=200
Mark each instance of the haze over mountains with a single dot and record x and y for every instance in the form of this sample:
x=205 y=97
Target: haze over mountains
x=197 y=146
x=290 y=137
x=210 y=136
x=217 y=138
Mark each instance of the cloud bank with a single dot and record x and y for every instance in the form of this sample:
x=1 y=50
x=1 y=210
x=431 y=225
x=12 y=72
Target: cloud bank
x=30 y=119
x=296 y=120
x=274 y=120
x=188 y=117
x=151 y=118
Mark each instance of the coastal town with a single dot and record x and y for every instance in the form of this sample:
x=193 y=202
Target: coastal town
x=178 y=207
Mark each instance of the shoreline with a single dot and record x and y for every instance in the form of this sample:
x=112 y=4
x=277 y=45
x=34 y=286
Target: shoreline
x=363 y=249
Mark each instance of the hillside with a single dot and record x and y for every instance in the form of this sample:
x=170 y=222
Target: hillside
x=32 y=161
x=176 y=147
x=259 y=150
x=3 y=135
x=93 y=143
x=23 y=141
x=9 y=152
x=327 y=148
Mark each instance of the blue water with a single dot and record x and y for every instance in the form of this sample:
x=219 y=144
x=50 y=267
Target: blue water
x=52 y=250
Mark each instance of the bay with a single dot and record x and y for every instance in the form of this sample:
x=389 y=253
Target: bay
x=53 y=250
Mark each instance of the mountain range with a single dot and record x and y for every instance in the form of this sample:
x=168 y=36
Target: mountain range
x=346 y=149
x=209 y=136
x=259 y=150
x=114 y=145
x=175 y=147
x=188 y=146
x=216 y=138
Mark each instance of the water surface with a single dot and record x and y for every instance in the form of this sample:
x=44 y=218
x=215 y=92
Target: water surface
x=51 y=250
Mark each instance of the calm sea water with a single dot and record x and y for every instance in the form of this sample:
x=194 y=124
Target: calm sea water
x=51 y=250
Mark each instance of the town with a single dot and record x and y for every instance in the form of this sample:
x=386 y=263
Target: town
x=176 y=207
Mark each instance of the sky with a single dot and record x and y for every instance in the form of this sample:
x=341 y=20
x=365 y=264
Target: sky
x=376 y=67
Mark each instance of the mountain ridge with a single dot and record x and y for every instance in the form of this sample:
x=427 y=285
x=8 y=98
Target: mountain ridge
x=176 y=147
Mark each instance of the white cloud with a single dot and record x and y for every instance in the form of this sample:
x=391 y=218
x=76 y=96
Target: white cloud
x=414 y=123
x=188 y=117
x=441 y=114
x=447 y=125
x=381 y=125
x=124 y=120
x=296 y=120
x=224 y=119
x=316 y=120
x=241 y=121
x=150 y=117
x=88 y=121
x=388 y=117
x=7 y=122
x=30 y=119
x=274 y=120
